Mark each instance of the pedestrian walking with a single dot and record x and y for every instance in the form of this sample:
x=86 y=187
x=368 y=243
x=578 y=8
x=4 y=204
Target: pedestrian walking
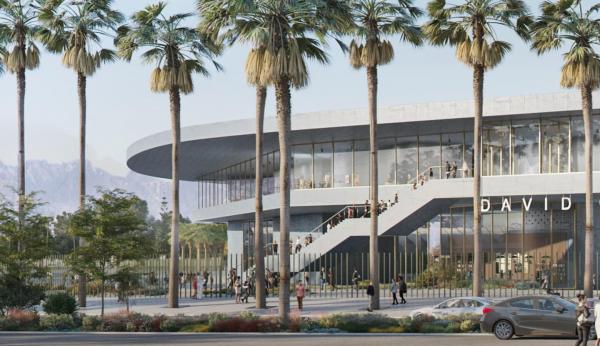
x=330 y=279
x=238 y=290
x=402 y=289
x=448 y=169
x=355 y=279
x=582 y=314
x=394 y=290
x=300 y=294
x=454 y=169
x=323 y=278
x=597 y=322
x=195 y=287
x=370 y=293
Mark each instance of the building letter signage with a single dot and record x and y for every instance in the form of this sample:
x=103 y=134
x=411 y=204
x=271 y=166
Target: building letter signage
x=485 y=205
x=526 y=204
x=505 y=205
x=566 y=203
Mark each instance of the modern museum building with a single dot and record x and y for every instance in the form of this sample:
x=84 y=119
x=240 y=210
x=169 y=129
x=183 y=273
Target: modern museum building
x=532 y=189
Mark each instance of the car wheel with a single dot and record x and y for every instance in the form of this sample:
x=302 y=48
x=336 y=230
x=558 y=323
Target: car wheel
x=504 y=330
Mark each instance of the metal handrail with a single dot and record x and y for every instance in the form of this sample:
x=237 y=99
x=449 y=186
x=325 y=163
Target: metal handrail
x=425 y=172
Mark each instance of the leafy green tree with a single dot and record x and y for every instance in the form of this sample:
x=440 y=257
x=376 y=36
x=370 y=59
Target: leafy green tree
x=62 y=242
x=474 y=27
x=177 y=51
x=286 y=33
x=565 y=22
x=18 y=30
x=112 y=227
x=22 y=246
x=374 y=20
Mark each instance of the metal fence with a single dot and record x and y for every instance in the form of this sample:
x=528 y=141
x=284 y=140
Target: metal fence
x=341 y=275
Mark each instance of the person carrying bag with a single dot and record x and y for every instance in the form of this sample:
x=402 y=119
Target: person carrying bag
x=584 y=321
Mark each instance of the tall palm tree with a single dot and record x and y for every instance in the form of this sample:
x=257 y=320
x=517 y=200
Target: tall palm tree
x=177 y=51
x=216 y=21
x=18 y=30
x=292 y=31
x=374 y=20
x=565 y=22
x=75 y=29
x=472 y=26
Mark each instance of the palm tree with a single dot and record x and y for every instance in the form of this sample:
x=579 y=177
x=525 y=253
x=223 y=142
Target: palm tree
x=18 y=30
x=75 y=29
x=565 y=22
x=214 y=21
x=177 y=52
x=374 y=20
x=285 y=28
x=472 y=27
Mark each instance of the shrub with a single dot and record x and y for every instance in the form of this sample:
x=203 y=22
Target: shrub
x=357 y=323
x=248 y=315
x=466 y=326
x=21 y=320
x=433 y=328
x=239 y=325
x=90 y=323
x=214 y=318
x=168 y=325
x=57 y=322
x=59 y=304
x=201 y=327
x=115 y=322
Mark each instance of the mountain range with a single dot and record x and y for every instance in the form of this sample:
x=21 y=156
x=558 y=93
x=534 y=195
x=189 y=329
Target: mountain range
x=57 y=185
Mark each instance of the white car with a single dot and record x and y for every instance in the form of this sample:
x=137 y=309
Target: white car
x=453 y=307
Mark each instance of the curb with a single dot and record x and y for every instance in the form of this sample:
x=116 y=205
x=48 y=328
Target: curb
x=252 y=334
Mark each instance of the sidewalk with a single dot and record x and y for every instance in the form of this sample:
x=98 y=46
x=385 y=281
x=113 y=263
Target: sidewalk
x=315 y=307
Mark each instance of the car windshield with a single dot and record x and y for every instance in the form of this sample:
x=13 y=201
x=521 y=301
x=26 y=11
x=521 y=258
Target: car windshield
x=567 y=303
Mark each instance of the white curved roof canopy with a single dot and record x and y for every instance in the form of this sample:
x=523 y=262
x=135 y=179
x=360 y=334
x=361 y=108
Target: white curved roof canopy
x=206 y=148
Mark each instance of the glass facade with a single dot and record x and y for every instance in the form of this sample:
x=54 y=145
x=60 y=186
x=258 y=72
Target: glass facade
x=518 y=245
x=535 y=146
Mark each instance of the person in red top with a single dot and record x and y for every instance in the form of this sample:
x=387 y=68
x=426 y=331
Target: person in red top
x=300 y=294
x=195 y=287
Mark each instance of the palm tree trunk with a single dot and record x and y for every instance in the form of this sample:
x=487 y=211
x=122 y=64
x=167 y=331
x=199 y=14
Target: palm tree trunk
x=284 y=108
x=586 y=103
x=198 y=260
x=374 y=187
x=478 y=77
x=21 y=158
x=259 y=250
x=175 y=107
x=81 y=91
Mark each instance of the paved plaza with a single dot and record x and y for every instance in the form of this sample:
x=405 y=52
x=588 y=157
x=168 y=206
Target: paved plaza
x=314 y=307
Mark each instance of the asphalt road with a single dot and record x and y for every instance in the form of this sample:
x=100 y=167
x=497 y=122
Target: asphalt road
x=50 y=339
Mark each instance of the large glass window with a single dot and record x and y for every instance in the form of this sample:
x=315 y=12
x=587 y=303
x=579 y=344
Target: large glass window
x=496 y=150
x=555 y=145
x=577 y=145
x=430 y=156
x=324 y=165
x=343 y=164
x=407 y=156
x=303 y=166
x=596 y=141
x=452 y=153
x=526 y=155
x=468 y=163
x=361 y=163
x=387 y=161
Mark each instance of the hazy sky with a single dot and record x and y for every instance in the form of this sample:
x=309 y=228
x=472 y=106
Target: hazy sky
x=121 y=108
